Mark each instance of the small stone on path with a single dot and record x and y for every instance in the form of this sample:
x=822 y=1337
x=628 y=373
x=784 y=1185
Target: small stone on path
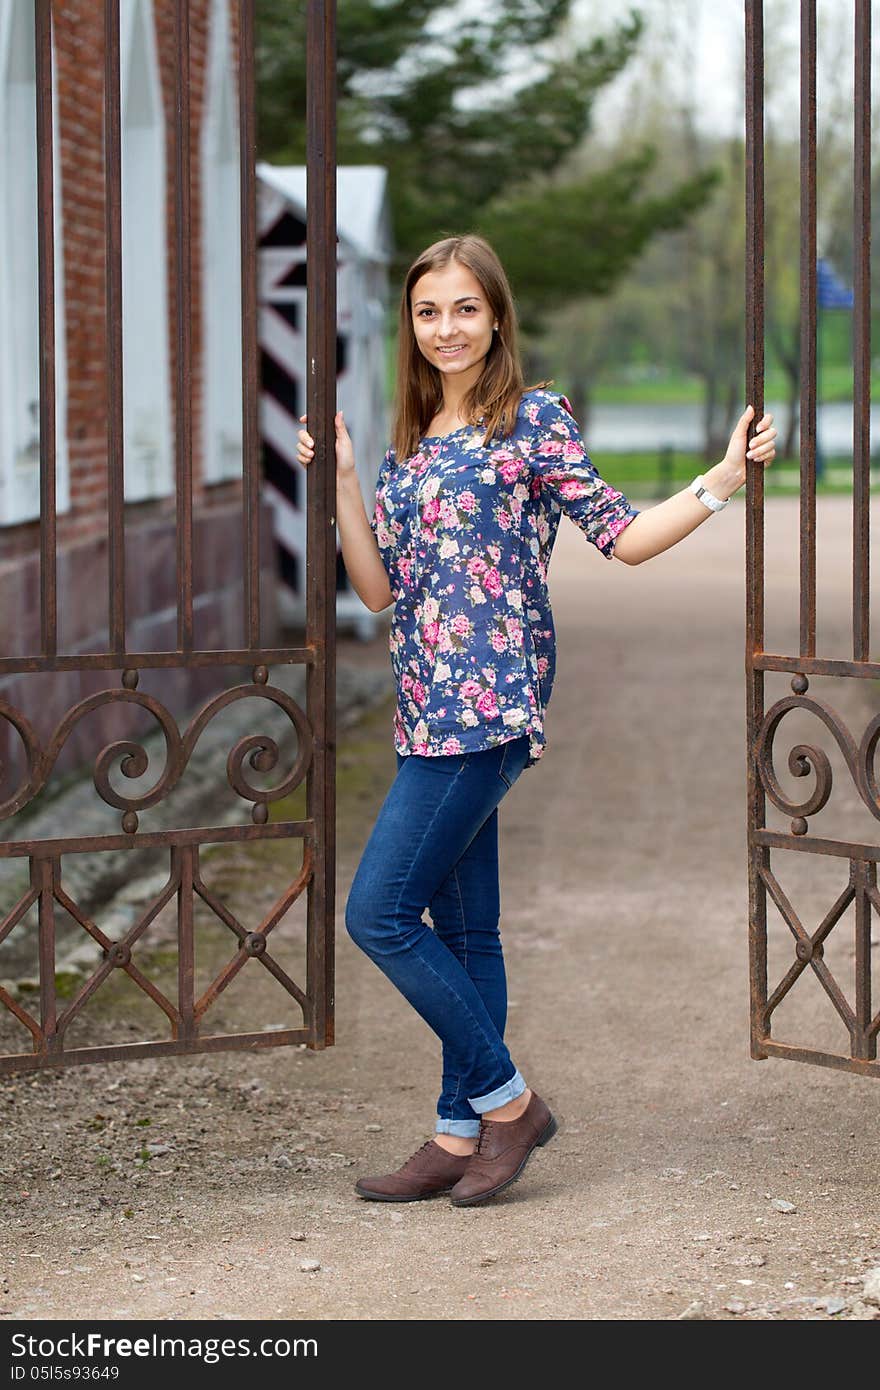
x=871 y=1286
x=693 y=1311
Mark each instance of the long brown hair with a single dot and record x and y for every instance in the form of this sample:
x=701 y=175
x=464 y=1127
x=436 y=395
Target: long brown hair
x=495 y=396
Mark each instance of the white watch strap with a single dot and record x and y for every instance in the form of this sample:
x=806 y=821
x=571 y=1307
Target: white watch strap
x=699 y=489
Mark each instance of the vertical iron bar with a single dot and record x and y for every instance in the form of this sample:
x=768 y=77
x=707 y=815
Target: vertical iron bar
x=321 y=504
x=43 y=873
x=183 y=862
x=46 y=277
x=862 y=330
x=249 y=350
x=113 y=307
x=808 y=337
x=183 y=293
x=754 y=338
x=864 y=877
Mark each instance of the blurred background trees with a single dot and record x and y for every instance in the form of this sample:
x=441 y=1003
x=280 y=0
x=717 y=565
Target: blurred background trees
x=623 y=233
x=478 y=113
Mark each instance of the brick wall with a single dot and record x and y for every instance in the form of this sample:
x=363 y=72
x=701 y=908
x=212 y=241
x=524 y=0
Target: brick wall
x=78 y=57
x=82 y=530
x=79 y=61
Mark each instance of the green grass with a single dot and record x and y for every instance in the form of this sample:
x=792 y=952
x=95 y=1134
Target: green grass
x=639 y=473
x=671 y=390
x=67 y=982
x=674 y=389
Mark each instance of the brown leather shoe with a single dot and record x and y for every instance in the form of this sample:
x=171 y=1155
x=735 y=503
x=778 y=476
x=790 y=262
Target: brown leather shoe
x=430 y=1170
x=502 y=1151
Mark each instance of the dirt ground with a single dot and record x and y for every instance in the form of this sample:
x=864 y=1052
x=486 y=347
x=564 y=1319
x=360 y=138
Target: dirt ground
x=686 y=1179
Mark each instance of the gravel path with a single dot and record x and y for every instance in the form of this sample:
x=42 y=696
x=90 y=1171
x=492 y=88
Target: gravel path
x=686 y=1180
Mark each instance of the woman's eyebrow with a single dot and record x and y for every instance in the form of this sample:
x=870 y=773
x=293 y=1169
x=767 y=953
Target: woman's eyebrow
x=462 y=300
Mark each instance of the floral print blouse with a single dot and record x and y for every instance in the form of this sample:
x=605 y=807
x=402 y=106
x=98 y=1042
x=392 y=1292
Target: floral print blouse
x=465 y=534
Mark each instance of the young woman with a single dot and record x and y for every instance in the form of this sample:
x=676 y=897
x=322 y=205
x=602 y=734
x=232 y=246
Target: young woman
x=468 y=503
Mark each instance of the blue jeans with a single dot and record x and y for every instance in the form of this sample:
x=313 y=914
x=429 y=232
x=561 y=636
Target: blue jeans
x=435 y=846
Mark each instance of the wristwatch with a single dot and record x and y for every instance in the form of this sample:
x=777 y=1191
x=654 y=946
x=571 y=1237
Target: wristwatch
x=708 y=499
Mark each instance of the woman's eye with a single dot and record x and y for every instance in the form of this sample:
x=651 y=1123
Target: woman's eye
x=429 y=313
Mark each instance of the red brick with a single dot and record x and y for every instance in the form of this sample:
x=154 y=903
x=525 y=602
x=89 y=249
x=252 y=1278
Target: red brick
x=78 y=31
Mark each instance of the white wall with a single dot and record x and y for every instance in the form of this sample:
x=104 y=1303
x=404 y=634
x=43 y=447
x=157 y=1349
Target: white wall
x=221 y=266
x=149 y=468
x=19 y=294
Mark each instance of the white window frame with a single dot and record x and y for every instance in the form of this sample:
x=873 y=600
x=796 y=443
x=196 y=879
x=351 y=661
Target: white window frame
x=221 y=260
x=146 y=375
x=19 y=287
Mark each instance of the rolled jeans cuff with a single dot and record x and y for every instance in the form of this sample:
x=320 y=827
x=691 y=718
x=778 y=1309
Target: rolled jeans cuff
x=509 y=1091
x=465 y=1129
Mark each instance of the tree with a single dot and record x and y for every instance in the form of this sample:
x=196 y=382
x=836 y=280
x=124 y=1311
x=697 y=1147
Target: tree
x=434 y=94
x=683 y=301
x=560 y=240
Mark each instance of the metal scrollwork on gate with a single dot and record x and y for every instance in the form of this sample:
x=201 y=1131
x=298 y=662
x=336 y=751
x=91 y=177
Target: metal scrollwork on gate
x=805 y=759
x=133 y=761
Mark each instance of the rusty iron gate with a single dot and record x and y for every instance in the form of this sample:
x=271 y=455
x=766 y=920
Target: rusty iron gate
x=857 y=890
x=186 y=1015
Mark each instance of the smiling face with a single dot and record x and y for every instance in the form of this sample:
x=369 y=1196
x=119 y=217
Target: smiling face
x=452 y=321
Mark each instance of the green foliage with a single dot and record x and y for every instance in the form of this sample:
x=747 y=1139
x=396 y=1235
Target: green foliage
x=588 y=232
x=397 y=70
x=645 y=476
x=476 y=117
x=620 y=387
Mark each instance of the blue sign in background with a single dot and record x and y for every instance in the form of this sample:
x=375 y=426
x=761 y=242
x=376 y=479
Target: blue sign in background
x=831 y=292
